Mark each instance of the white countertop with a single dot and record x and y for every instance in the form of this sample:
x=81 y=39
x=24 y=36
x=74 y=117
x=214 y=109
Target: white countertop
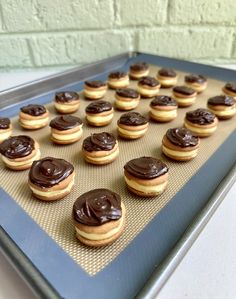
x=207 y=271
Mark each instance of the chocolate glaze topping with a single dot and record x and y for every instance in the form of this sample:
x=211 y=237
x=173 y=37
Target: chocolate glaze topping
x=99 y=142
x=200 y=116
x=117 y=75
x=150 y=81
x=231 y=86
x=140 y=66
x=127 y=93
x=222 y=100
x=17 y=146
x=33 y=109
x=193 y=78
x=98 y=107
x=66 y=96
x=97 y=206
x=188 y=91
x=4 y=123
x=163 y=100
x=132 y=119
x=182 y=137
x=166 y=72
x=49 y=171
x=95 y=84
x=146 y=168
x=65 y=122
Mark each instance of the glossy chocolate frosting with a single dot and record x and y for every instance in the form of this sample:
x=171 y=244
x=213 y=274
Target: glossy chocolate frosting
x=98 y=107
x=49 y=171
x=127 y=93
x=4 y=123
x=163 y=100
x=65 y=122
x=150 y=81
x=166 y=72
x=193 y=78
x=188 y=91
x=33 y=109
x=200 y=116
x=230 y=86
x=140 y=66
x=132 y=119
x=117 y=75
x=182 y=137
x=66 y=96
x=222 y=100
x=99 y=142
x=17 y=146
x=146 y=168
x=95 y=84
x=97 y=206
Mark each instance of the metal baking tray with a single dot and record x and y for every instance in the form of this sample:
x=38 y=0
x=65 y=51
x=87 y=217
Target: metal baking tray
x=137 y=271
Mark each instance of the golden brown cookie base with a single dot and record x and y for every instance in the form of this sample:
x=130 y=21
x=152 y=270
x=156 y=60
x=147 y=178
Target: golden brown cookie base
x=142 y=194
x=161 y=119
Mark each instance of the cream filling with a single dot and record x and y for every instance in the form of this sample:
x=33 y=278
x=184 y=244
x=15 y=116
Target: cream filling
x=33 y=122
x=199 y=130
x=119 y=83
x=104 y=158
x=159 y=113
x=99 y=119
x=124 y=104
x=224 y=112
x=98 y=237
x=145 y=189
x=167 y=81
x=132 y=133
x=192 y=153
x=5 y=135
x=62 y=137
x=149 y=92
x=21 y=163
x=185 y=100
x=94 y=93
x=66 y=107
x=52 y=193
x=139 y=75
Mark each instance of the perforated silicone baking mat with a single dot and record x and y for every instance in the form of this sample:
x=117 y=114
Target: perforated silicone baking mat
x=55 y=217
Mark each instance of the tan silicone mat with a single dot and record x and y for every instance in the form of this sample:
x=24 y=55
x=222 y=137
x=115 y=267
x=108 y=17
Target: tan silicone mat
x=55 y=217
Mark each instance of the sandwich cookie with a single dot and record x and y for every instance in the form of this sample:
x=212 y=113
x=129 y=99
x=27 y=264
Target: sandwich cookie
x=180 y=144
x=95 y=90
x=163 y=109
x=230 y=89
x=223 y=106
x=132 y=125
x=100 y=148
x=167 y=77
x=5 y=128
x=19 y=152
x=201 y=121
x=184 y=96
x=126 y=99
x=51 y=178
x=33 y=117
x=138 y=70
x=66 y=102
x=99 y=217
x=99 y=113
x=118 y=80
x=148 y=87
x=146 y=176
x=197 y=82
x=66 y=129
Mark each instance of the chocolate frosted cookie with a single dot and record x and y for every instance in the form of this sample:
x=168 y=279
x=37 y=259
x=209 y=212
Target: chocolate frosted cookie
x=126 y=99
x=163 y=108
x=223 y=106
x=5 y=128
x=139 y=70
x=118 y=80
x=230 y=89
x=197 y=82
x=66 y=101
x=167 y=77
x=33 y=109
x=33 y=116
x=99 y=113
x=163 y=100
x=148 y=87
x=184 y=96
x=94 y=90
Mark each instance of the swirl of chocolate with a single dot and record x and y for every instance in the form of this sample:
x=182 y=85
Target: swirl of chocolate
x=66 y=96
x=127 y=93
x=193 y=78
x=17 y=146
x=188 y=91
x=117 y=75
x=166 y=72
x=49 y=172
x=146 y=168
x=98 y=107
x=65 y=122
x=4 y=123
x=182 y=137
x=99 y=142
x=132 y=119
x=230 y=86
x=33 y=109
x=149 y=81
x=163 y=100
x=200 y=116
x=97 y=206
x=95 y=84
x=140 y=66
x=222 y=100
